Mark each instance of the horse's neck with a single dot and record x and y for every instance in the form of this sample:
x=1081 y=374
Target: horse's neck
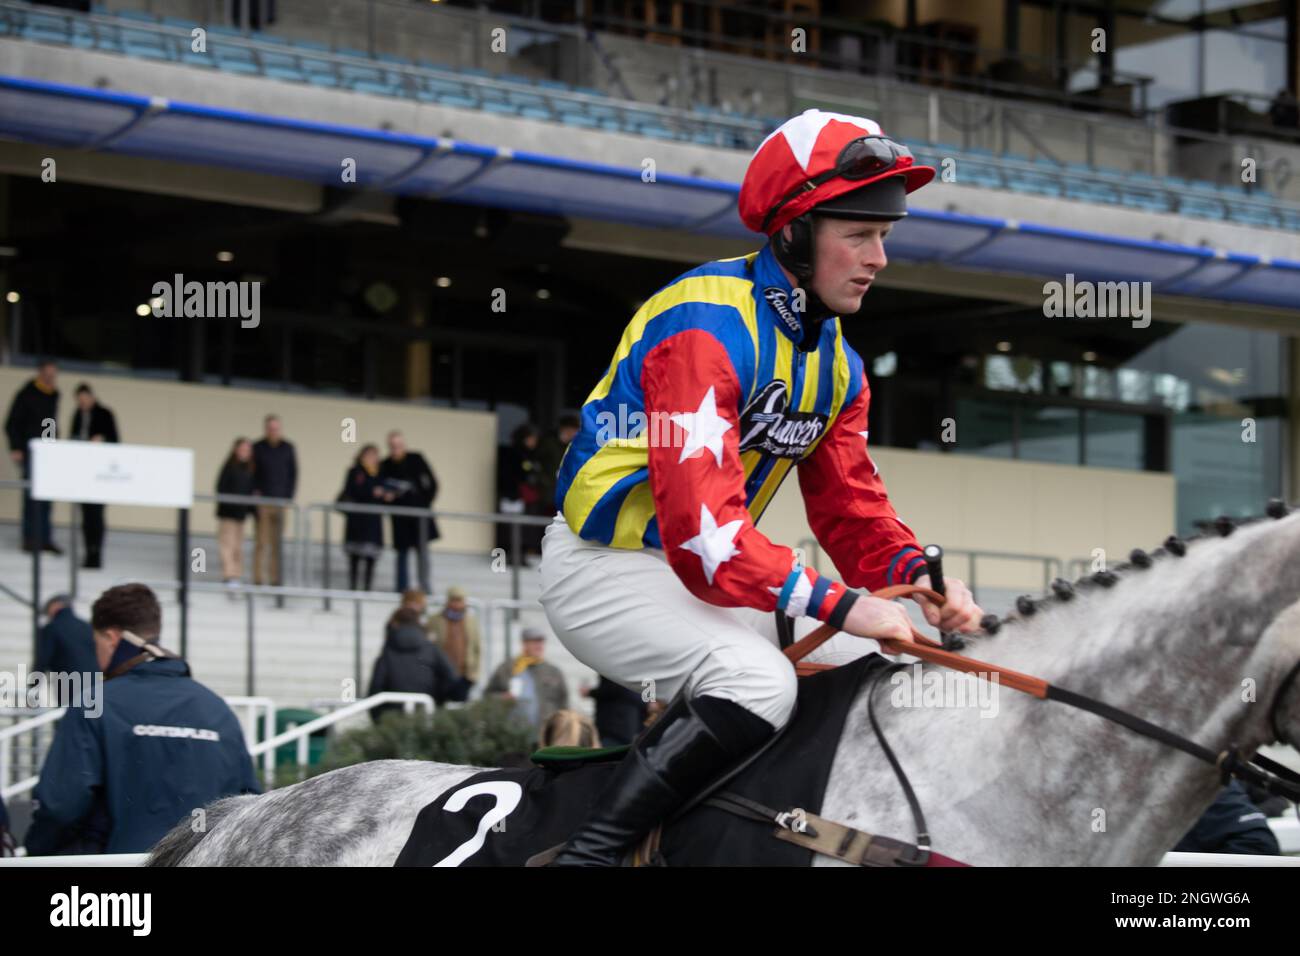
x=1044 y=783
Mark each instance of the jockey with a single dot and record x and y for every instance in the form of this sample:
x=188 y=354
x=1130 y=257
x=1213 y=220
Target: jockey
x=653 y=573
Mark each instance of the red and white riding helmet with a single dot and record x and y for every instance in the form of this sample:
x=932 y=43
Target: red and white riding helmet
x=816 y=157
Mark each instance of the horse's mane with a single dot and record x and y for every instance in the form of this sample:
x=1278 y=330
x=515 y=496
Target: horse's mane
x=1089 y=585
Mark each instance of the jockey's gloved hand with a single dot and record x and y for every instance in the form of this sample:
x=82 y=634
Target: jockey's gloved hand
x=959 y=612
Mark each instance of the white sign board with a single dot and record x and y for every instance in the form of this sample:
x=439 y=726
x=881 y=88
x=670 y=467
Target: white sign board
x=112 y=474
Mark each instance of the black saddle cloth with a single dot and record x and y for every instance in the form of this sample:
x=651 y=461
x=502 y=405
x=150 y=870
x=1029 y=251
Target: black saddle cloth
x=503 y=817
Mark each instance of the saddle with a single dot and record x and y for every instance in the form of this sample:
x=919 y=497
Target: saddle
x=760 y=814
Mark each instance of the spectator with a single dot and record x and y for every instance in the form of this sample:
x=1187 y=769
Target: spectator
x=92 y=422
x=519 y=488
x=550 y=452
x=363 y=536
x=1272 y=804
x=568 y=728
x=456 y=632
x=416 y=600
x=33 y=414
x=107 y=787
x=1232 y=824
x=275 y=475
x=66 y=644
x=620 y=713
x=409 y=664
x=537 y=687
x=236 y=478
x=410 y=478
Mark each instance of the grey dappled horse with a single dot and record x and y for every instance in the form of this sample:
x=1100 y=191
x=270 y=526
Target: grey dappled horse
x=1039 y=783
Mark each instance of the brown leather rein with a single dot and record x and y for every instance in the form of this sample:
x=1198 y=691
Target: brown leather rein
x=920 y=646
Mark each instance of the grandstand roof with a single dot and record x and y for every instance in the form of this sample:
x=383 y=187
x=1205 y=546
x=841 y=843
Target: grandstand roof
x=84 y=118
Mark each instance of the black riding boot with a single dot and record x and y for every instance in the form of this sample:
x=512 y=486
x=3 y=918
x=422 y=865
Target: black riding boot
x=692 y=743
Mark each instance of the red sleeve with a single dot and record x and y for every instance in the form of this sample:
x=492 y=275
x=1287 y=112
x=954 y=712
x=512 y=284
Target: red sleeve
x=697 y=481
x=849 y=510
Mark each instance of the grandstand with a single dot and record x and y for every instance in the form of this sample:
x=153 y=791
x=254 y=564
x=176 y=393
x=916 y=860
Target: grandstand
x=389 y=171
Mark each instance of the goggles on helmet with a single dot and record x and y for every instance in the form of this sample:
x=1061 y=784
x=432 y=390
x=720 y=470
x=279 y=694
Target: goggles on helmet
x=859 y=159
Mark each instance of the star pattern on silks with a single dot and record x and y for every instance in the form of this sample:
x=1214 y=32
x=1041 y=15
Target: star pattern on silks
x=875 y=469
x=715 y=545
x=704 y=428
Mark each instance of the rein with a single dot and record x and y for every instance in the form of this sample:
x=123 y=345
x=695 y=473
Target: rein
x=1260 y=771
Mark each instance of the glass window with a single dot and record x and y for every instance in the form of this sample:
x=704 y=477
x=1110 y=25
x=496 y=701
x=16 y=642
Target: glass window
x=496 y=376
x=443 y=360
x=1050 y=434
x=1220 y=473
x=985 y=428
x=1007 y=373
x=1246 y=60
x=1173 y=391
x=257 y=354
x=1061 y=379
x=328 y=360
x=1113 y=439
x=1099 y=383
x=1134 y=385
x=390 y=368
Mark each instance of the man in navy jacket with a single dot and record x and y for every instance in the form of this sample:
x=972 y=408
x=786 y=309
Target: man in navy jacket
x=1232 y=824
x=163 y=747
x=66 y=643
x=275 y=475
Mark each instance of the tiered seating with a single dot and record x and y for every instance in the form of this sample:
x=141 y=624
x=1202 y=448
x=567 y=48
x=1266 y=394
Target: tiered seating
x=139 y=34
x=288 y=59
x=1137 y=190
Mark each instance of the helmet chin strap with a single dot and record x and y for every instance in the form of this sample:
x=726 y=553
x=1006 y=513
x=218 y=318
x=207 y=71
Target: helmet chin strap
x=796 y=255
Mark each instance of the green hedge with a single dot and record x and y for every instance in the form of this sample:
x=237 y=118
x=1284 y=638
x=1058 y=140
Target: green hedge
x=486 y=733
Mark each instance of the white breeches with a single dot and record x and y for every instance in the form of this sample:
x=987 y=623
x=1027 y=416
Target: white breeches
x=626 y=615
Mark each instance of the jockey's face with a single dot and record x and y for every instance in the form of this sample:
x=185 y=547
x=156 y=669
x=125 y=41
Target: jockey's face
x=847 y=255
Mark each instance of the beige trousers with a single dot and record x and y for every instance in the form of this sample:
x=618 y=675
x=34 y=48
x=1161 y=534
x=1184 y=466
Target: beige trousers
x=230 y=544
x=270 y=535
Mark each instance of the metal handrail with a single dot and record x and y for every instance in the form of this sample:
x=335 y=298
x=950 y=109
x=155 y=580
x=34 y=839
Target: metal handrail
x=255 y=707
x=301 y=734
x=298 y=538
x=289 y=543
x=10 y=592
x=515 y=521
x=249 y=591
x=7 y=736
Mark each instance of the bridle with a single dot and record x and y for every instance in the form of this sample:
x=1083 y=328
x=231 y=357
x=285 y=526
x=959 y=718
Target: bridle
x=1260 y=771
x=1273 y=725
